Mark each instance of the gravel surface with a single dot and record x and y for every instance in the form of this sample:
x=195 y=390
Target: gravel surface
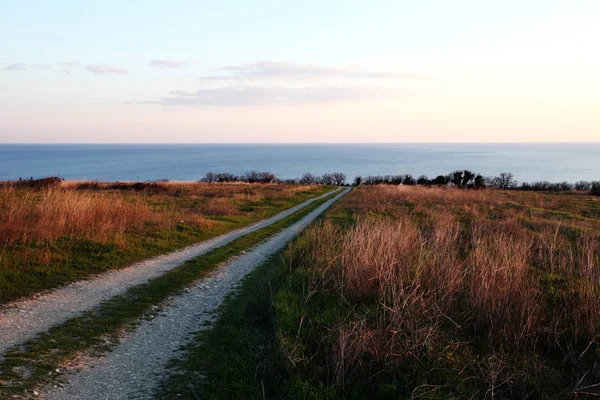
x=24 y=319
x=135 y=367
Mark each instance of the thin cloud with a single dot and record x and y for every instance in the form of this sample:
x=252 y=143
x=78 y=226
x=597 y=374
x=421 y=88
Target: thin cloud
x=287 y=70
x=15 y=67
x=238 y=96
x=105 y=70
x=166 y=64
x=25 y=67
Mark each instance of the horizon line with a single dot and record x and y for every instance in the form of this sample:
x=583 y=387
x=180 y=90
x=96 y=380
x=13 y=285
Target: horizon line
x=284 y=143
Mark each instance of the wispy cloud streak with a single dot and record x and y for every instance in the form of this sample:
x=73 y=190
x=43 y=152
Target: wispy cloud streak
x=287 y=70
x=105 y=70
x=167 y=64
x=237 y=96
x=25 y=66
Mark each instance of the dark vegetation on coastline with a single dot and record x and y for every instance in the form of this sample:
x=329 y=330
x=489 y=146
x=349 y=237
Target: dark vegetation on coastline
x=335 y=178
x=469 y=179
x=459 y=178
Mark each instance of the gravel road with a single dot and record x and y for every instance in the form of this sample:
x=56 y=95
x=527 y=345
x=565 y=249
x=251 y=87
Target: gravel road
x=24 y=319
x=134 y=368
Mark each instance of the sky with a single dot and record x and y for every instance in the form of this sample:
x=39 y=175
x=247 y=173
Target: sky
x=306 y=71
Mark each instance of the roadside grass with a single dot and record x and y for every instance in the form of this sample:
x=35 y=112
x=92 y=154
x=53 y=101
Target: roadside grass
x=443 y=293
x=33 y=363
x=56 y=235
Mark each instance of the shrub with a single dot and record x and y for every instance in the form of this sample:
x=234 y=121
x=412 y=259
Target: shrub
x=409 y=180
x=308 y=179
x=209 y=177
x=339 y=178
x=251 y=176
x=266 y=177
x=503 y=181
x=565 y=186
x=374 y=180
x=42 y=183
x=327 y=179
x=394 y=179
x=455 y=178
x=468 y=177
x=440 y=180
x=423 y=180
x=595 y=188
x=479 y=181
x=227 y=177
x=582 y=186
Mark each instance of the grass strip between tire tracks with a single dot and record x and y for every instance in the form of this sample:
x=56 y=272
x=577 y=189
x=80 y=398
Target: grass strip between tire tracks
x=240 y=356
x=34 y=363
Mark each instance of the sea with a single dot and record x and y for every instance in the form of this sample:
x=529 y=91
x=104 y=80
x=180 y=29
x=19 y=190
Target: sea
x=555 y=162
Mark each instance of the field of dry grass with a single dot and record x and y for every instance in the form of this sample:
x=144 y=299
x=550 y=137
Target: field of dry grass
x=63 y=231
x=415 y=292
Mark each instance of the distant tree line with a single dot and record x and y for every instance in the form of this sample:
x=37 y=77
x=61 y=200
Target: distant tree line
x=335 y=178
x=31 y=183
x=469 y=179
x=460 y=178
x=250 y=177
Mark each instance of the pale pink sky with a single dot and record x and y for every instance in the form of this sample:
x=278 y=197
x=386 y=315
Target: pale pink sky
x=344 y=71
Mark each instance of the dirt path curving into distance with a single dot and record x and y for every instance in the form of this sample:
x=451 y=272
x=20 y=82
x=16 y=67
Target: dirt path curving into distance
x=24 y=319
x=133 y=369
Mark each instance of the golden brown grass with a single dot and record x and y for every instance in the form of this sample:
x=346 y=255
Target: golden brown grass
x=456 y=281
x=104 y=211
x=55 y=233
x=28 y=216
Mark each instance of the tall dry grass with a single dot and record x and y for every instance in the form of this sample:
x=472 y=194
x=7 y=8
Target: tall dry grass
x=47 y=215
x=104 y=211
x=448 y=267
x=54 y=232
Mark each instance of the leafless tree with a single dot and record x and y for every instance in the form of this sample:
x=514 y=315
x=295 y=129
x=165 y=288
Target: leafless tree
x=308 y=179
x=339 y=178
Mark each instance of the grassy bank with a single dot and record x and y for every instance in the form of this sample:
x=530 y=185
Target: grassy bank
x=55 y=234
x=441 y=293
x=34 y=362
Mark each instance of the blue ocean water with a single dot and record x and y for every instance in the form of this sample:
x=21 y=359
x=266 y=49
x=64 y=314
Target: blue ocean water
x=139 y=162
